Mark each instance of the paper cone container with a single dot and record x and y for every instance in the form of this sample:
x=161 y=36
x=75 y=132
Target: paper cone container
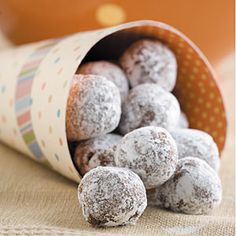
x=35 y=81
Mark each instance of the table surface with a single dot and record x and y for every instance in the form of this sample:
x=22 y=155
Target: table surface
x=36 y=200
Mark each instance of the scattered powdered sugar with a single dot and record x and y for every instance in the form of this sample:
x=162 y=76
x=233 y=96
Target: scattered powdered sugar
x=95 y=152
x=149 y=105
x=112 y=196
x=150 y=61
x=150 y=152
x=110 y=71
x=196 y=143
x=93 y=107
x=195 y=188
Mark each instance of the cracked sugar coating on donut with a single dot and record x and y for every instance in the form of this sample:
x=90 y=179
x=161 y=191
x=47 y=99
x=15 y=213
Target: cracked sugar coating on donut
x=195 y=188
x=112 y=196
x=150 y=61
x=150 y=152
x=110 y=71
x=149 y=105
x=95 y=152
x=196 y=143
x=93 y=107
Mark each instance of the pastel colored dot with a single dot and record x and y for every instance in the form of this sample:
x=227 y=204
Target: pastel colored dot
x=189 y=105
x=188 y=85
x=198 y=62
x=181 y=45
x=11 y=102
x=190 y=50
x=200 y=100
x=58 y=113
x=4 y=119
x=212 y=119
x=219 y=124
x=57 y=60
x=195 y=69
x=192 y=77
x=39 y=114
x=212 y=84
x=76 y=48
x=55 y=50
x=216 y=110
x=3 y=89
x=30 y=101
x=60 y=141
x=191 y=95
x=207 y=129
x=65 y=83
x=196 y=109
x=192 y=119
x=186 y=63
x=203 y=90
x=56 y=156
x=43 y=86
x=50 y=129
x=214 y=133
x=60 y=71
x=219 y=100
x=189 y=56
x=110 y=14
x=203 y=77
x=211 y=95
x=199 y=124
x=208 y=104
x=50 y=99
x=204 y=114
x=222 y=139
x=15 y=131
x=183 y=70
x=200 y=84
x=178 y=51
x=78 y=58
x=43 y=143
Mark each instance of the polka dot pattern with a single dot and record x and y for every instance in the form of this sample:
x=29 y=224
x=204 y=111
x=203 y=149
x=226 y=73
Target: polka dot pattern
x=196 y=89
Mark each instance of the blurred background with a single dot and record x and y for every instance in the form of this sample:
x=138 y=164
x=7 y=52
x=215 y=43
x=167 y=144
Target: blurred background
x=209 y=23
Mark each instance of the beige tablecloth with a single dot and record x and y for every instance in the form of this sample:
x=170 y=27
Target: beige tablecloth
x=37 y=201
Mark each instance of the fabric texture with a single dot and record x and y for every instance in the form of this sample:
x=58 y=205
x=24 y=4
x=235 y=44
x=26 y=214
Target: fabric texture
x=37 y=201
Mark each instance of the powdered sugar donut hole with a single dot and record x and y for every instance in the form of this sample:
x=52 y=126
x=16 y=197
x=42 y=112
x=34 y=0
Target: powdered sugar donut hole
x=196 y=143
x=150 y=61
x=93 y=107
x=112 y=196
x=150 y=152
x=195 y=188
x=149 y=105
x=110 y=71
x=95 y=152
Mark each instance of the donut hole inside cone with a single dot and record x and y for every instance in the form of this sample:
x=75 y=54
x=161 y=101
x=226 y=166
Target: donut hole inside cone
x=196 y=89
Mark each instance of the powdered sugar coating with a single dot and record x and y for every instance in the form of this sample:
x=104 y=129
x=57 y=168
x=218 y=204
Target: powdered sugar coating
x=196 y=143
x=111 y=196
x=110 y=71
x=150 y=152
x=183 y=121
x=93 y=107
x=149 y=105
x=150 y=61
x=195 y=188
x=95 y=152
